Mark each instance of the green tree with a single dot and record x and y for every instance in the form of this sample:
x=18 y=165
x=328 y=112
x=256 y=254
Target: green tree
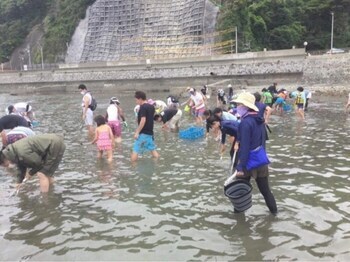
x=279 y=24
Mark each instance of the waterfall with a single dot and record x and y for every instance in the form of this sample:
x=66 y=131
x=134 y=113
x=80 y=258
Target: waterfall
x=76 y=45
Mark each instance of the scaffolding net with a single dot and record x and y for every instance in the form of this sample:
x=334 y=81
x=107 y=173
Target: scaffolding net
x=158 y=29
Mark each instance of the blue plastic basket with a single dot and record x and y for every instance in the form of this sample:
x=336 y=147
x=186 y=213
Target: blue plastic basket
x=35 y=123
x=287 y=107
x=192 y=133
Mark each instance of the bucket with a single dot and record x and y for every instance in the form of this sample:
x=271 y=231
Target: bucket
x=240 y=194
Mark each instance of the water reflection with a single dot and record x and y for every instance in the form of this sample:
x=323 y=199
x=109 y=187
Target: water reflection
x=174 y=208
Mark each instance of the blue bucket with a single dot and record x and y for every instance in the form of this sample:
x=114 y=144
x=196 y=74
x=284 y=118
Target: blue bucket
x=240 y=194
x=192 y=133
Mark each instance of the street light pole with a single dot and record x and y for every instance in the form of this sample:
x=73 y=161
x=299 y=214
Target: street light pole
x=332 y=13
x=29 y=56
x=41 y=55
x=305 y=44
x=236 y=40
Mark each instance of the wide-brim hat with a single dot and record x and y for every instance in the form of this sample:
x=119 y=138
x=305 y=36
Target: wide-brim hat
x=114 y=100
x=246 y=99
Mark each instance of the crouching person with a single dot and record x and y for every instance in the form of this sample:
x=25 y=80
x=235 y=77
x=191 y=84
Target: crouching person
x=170 y=118
x=40 y=154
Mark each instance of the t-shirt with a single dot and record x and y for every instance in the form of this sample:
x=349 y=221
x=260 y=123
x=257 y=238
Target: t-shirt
x=160 y=105
x=228 y=127
x=228 y=116
x=268 y=97
x=11 y=121
x=262 y=108
x=272 y=89
x=168 y=114
x=90 y=98
x=22 y=107
x=21 y=130
x=146 y=110
x=198 y=100
x=112 y=112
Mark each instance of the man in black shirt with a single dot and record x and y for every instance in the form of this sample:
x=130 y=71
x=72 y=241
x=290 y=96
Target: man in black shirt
x=273 y=89
x=10 y=122
x=170 y=118
x=144 y=140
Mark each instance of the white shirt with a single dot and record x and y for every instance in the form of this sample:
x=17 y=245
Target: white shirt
x=228 y=116
x=90 y=98
x=198 y=100
x=21 y=130
x=21 y=107
x=160 y=105
x=112 y=111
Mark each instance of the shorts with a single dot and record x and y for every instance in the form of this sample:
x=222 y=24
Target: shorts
x=144 y=143
x=174 y=121
x=11 y=138
x=300 y=106
x=89 y=119
x=262 y=171
x=279 y=101
x=116 y=127
x=199 y=112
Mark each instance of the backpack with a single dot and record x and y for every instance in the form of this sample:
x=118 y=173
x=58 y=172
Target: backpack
x=299 y=99
x=93 y=104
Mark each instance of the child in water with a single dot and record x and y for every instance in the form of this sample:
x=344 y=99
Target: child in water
x=104 y=138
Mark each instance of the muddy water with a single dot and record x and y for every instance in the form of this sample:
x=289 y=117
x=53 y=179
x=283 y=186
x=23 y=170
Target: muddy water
x=174 y=208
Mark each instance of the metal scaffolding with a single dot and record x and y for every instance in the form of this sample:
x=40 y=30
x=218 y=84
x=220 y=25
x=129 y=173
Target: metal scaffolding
x=133 y=29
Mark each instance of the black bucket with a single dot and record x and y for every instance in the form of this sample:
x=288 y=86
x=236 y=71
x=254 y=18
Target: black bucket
x=240 y=194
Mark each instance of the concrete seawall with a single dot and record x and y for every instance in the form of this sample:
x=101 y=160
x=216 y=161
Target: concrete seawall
x=243 y=70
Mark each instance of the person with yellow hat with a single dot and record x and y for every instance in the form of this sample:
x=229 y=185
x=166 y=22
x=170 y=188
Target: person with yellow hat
x=251 y=138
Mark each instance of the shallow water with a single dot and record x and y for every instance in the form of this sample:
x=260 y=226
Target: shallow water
x=174 y=208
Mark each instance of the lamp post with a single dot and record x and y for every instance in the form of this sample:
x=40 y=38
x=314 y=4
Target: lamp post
x=305 y=44
x=42 y=56
x=29 y=56
x=332 y=13
x=236 y=35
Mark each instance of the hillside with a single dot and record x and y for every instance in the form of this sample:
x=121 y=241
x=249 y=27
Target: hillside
x=271 y=24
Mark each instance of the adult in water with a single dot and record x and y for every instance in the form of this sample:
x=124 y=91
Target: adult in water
x=170 y=118
x=347 y=106
x=40 y=154
x=87 y=113
x=9 y=122
x=251 y=136
x=143 y=135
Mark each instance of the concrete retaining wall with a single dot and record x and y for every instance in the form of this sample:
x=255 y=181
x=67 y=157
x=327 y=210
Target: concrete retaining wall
x=241 y=69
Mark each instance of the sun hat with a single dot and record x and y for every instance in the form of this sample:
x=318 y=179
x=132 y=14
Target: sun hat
x=114 y=100
x=246 y=99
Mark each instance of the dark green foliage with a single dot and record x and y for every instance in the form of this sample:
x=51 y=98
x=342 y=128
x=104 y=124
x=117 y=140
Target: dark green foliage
x=59 y=17
x=17 y=17
x=280 y=24
x=61 y=25
x=271 y=24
